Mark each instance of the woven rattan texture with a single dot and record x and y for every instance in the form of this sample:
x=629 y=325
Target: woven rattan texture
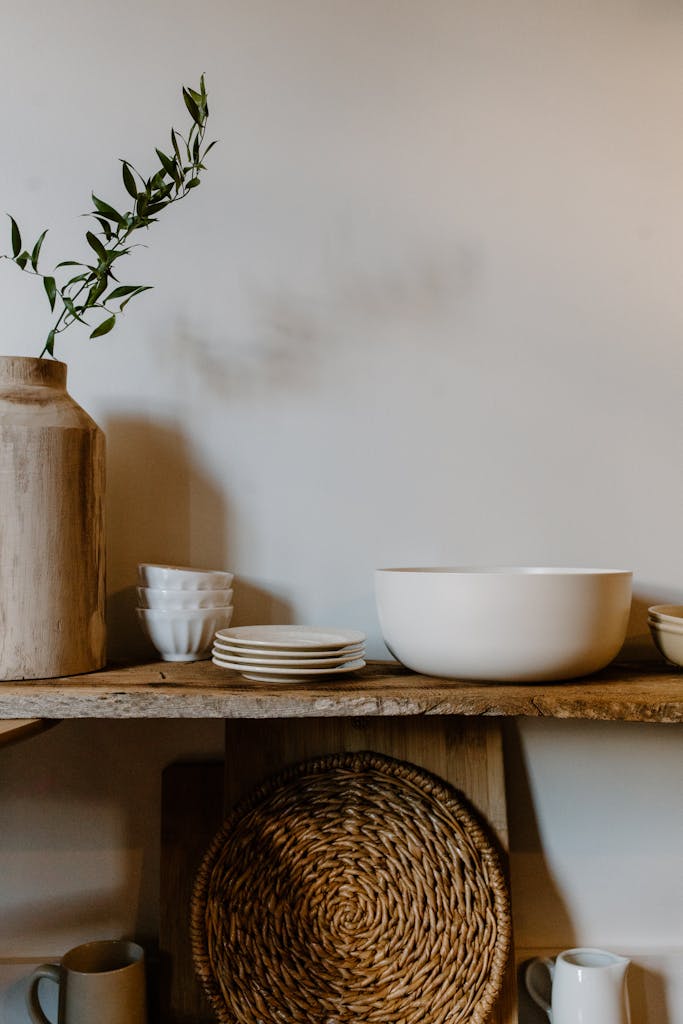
x=355 y=889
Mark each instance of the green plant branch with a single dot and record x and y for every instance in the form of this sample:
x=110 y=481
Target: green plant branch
x=84 y=292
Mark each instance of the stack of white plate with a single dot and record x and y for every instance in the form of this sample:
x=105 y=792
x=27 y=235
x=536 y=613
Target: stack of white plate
x=278 y=654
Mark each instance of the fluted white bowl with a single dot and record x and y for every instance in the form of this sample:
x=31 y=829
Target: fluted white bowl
x=180 y=577
x=184 y=634
x=172 y=600
x=508 y=624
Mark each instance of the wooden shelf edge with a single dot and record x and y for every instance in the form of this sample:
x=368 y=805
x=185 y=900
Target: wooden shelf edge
x=647 y=692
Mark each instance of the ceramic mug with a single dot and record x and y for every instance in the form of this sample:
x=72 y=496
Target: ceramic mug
x=588 y=987
x=99 y=982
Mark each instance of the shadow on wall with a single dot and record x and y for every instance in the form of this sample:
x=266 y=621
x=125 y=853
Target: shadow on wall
x=648 y=998
x=525 y=840
x=295 y=330
x=160 y=508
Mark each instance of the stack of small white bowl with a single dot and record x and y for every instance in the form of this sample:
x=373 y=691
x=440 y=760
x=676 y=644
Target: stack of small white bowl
x=666 y=625
x=181 y=608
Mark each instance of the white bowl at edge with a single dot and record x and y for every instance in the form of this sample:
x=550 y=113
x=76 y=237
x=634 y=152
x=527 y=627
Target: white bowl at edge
x=669 y=641
x=669 y=613
x=507 y=623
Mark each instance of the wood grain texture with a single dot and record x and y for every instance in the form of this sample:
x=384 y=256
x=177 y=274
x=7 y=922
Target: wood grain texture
x=51 y=526
x=628 y=692
x=191 y=813
x=13 y=730
x=465 y=752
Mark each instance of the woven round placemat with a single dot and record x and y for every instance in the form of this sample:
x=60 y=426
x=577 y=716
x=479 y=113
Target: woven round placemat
x=353 y=889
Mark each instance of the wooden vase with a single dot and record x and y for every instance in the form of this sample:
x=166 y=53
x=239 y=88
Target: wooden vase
x=52 y=544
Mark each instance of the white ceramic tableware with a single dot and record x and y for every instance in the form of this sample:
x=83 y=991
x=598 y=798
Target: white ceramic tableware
x=668 y=641
x=669 y=624
x=183 y=635
x=294 y=637
x=180 y=577
x=277 y=663
x=588 y=987
x=510 y=624
x=278 y=675
x=155 y=597
x=278 y=654
x=101 y=981
x=672 y=614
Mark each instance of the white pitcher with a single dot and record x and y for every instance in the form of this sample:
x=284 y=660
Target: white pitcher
x=588 y=987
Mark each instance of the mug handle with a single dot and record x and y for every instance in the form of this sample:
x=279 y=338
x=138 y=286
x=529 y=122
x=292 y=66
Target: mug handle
x=54 y=973
x=538 y=998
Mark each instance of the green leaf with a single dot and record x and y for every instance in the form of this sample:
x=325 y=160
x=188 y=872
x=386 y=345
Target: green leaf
x=210 y=146
x=16 y=238
x=129 y=180
x=192 y=107
x=176 y=149
x=22 y=260
x=94 y=243
x=193 y=182
x=167 y=163
x=105 y=327
x=108 y=211
x=74 y=280
x=124 y=289
x=94 y=293
x=50 y=286
x=73 y=309
x=137 y=291
x=36 y=251
x=50 y=343
x=106 y=227
x=69 y=263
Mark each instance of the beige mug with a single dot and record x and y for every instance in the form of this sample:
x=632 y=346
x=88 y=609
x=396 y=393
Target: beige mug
x=100 y=982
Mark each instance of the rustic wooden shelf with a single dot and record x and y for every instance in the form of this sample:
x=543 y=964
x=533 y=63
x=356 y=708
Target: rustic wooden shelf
x=644 y=692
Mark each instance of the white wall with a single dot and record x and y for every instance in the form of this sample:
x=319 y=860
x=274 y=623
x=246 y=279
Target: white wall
x=425 y=308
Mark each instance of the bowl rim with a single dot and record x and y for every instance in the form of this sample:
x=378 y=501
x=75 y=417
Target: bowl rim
x=666 y=627
x=508 y=570
x=185 y=613
x=182 y=568
x=658 y=610
x=171 y=593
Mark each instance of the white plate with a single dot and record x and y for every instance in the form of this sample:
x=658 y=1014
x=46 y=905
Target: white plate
x=282 y=675
x=291 y=637
x=288 y=654
x=221 y=655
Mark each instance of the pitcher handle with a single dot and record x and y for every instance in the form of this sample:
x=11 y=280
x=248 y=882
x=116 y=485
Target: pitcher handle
x=54 y=973
x=538 y=998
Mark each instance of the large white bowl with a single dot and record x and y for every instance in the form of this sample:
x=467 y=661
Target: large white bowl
x=180 y=577
x=154 y=597
x=509 y=624
x=184 y=635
